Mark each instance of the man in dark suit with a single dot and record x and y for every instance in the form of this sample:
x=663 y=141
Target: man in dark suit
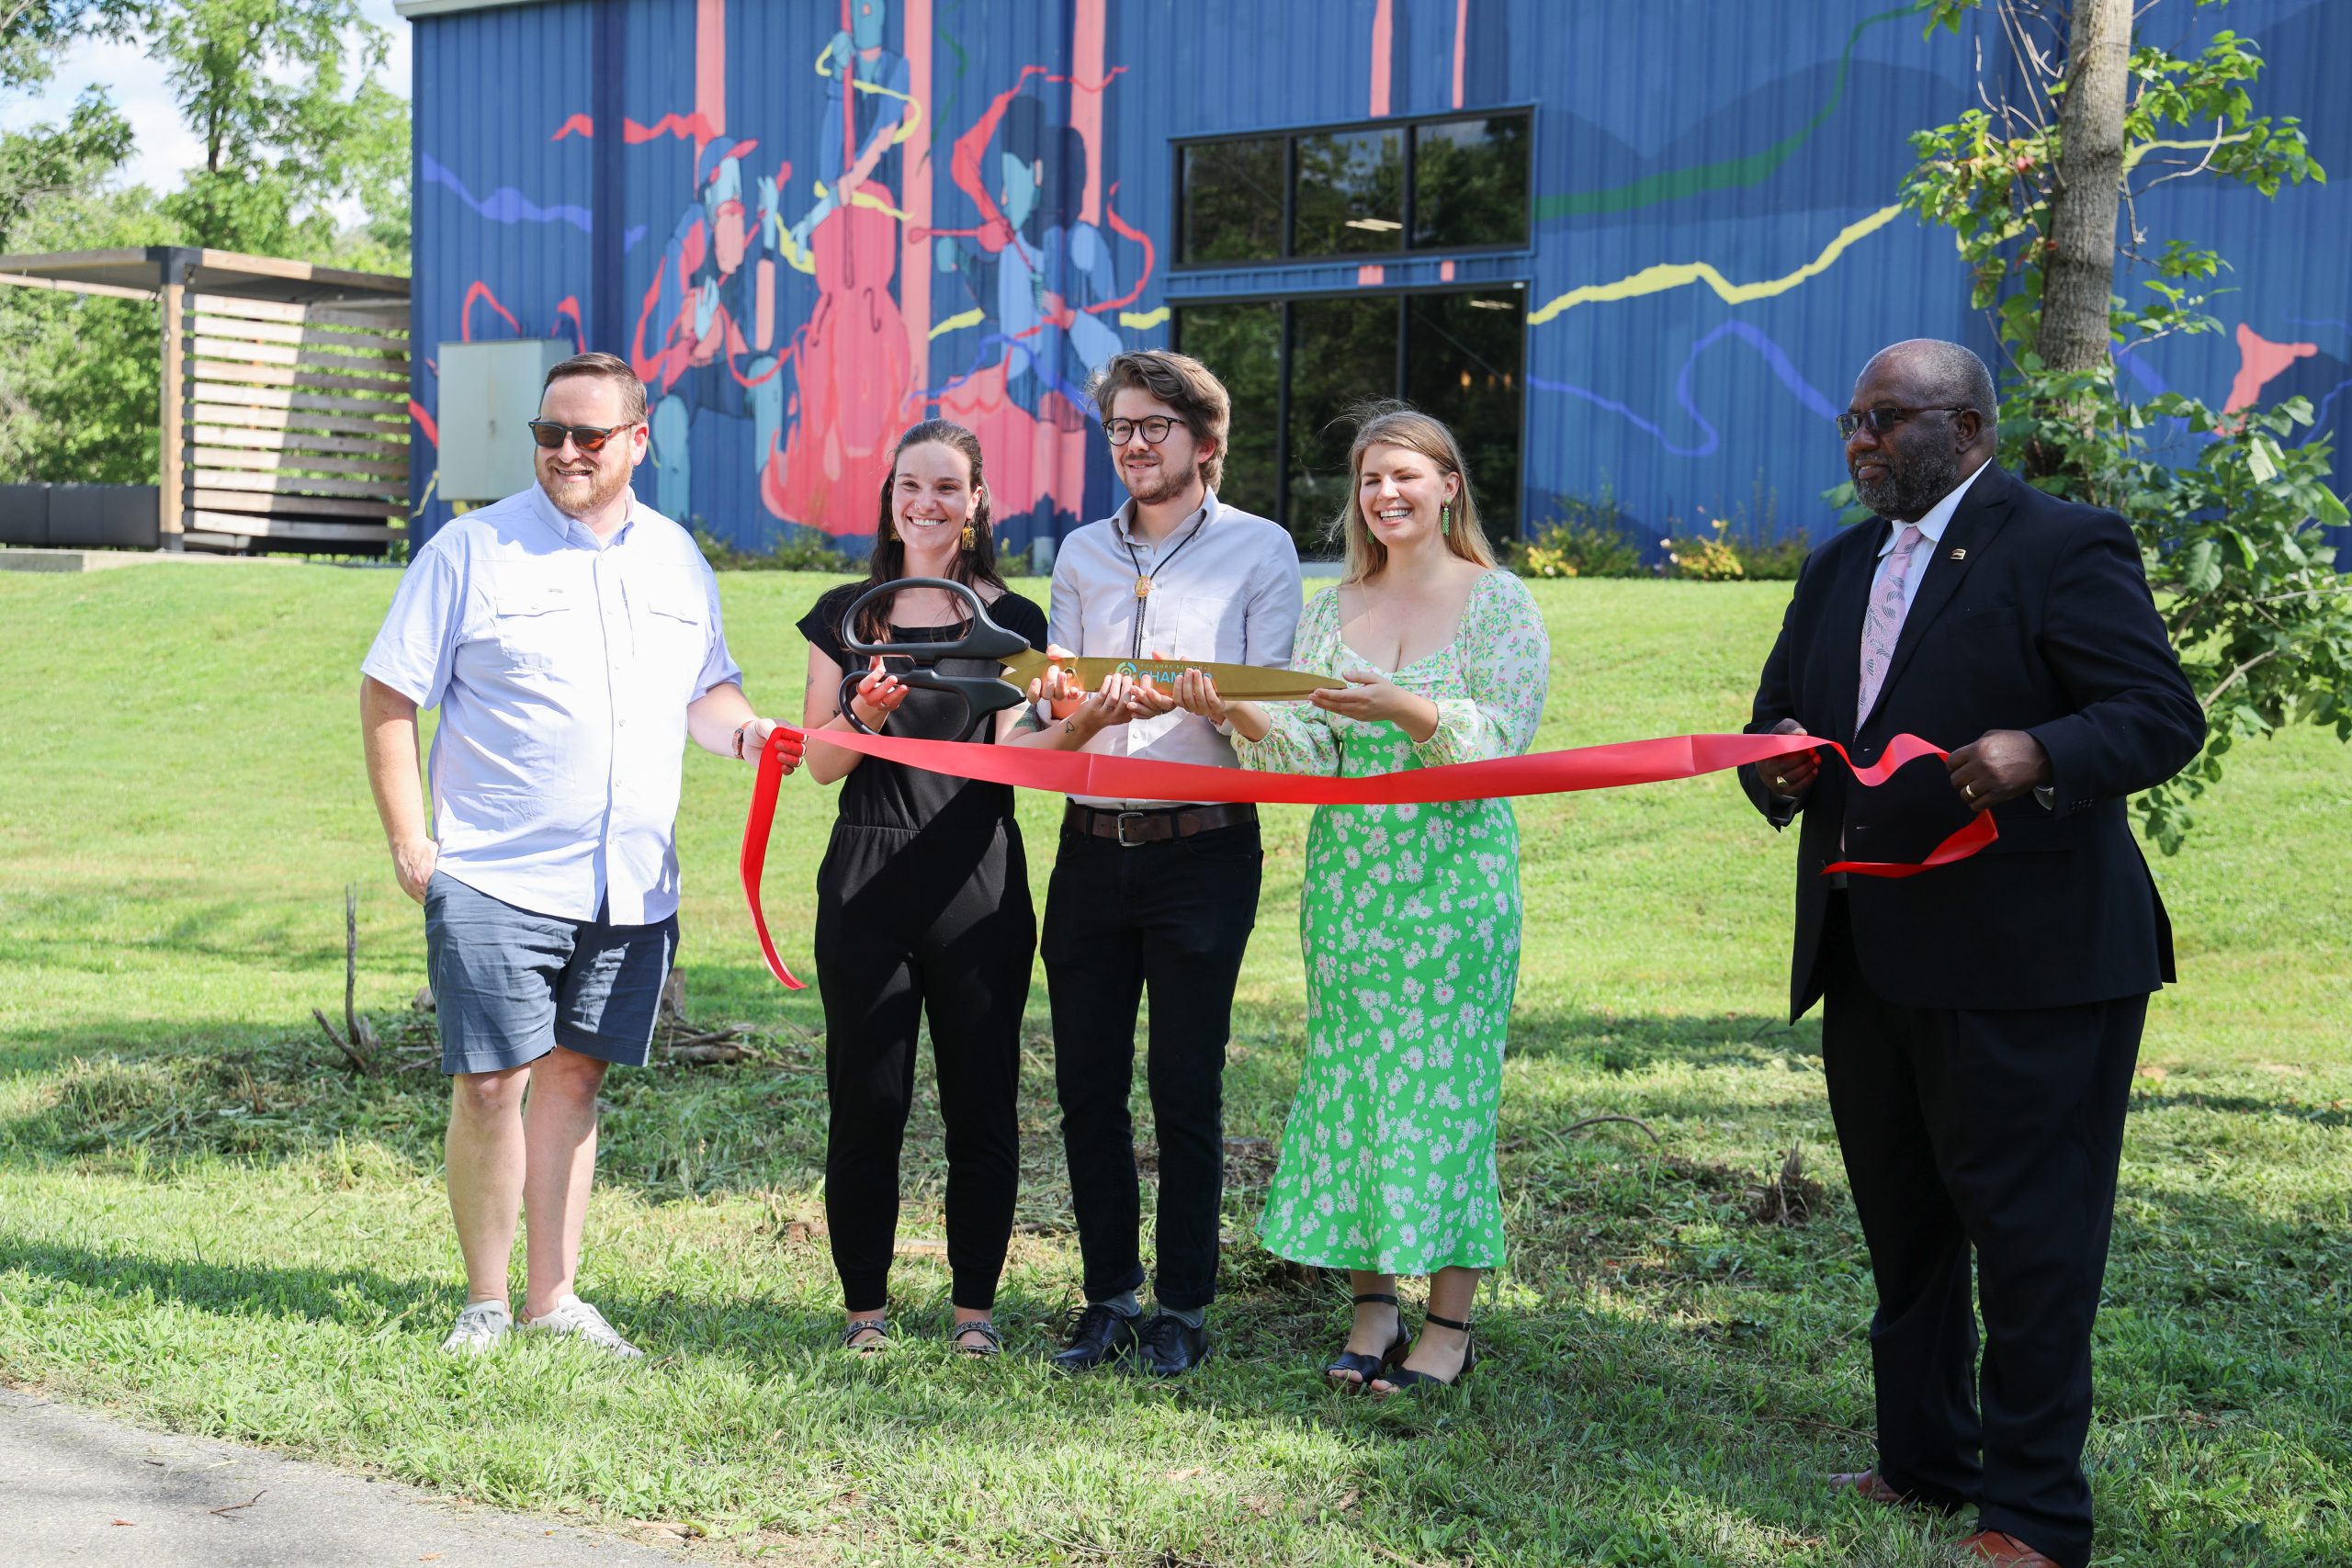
x=1981 y=1020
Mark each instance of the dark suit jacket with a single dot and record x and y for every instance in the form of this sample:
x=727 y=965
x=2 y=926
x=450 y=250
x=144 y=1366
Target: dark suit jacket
x=2034 y=614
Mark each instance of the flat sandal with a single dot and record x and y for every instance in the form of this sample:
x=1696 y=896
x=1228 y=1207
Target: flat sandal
x=1365 y=1365
x=992 y=1342
x=1405 y=1377
x=879 y=1327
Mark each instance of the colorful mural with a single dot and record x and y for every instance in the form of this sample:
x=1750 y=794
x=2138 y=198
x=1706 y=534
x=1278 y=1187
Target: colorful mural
x=810 y=222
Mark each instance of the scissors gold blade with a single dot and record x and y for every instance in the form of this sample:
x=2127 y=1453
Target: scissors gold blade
x=1248 y=680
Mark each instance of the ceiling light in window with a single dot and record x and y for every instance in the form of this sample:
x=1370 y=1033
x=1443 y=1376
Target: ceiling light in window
x=1375 y=225
x=1491 y=305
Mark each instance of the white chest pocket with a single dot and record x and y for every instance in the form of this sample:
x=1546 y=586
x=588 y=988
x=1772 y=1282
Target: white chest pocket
x=672 y=621
x=538 y=625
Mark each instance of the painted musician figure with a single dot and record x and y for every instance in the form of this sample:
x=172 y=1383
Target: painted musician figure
x=1981 y=1022
x=1155 y=895
x=570 y=637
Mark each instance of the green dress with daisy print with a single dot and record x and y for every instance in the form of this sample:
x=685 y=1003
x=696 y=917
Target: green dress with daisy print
x=1410 y=918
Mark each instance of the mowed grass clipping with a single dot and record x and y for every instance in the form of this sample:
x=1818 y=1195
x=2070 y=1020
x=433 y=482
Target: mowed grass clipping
x=207 y=1222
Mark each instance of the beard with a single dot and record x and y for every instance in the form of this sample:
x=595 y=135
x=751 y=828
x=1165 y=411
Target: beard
x=1160 y=483
x=1912 y=490
x=576 y=495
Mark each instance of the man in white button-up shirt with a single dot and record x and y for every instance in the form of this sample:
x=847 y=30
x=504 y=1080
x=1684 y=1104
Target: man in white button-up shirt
x=570 y=638
x=1156 y=896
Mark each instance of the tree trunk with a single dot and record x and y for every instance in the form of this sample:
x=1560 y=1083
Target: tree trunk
x=2080 y=277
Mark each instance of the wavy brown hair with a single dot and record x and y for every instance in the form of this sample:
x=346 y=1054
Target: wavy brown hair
x=972 y=568
x=1184 y=384
x=1402 y=424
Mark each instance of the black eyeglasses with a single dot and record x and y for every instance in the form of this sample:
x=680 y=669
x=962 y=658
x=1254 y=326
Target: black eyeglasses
x=1878 y=422
x=1155 y=429
x=587 y=437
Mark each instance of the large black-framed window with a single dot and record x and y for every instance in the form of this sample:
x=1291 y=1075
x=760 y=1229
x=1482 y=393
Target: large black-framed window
x=1377 y=188
x=1296 y=366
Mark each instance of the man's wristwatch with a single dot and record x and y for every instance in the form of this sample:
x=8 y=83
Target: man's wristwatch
x=739 y=736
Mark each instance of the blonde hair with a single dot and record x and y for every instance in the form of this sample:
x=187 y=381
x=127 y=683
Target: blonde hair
x=1180 y=381
x=1401 y=424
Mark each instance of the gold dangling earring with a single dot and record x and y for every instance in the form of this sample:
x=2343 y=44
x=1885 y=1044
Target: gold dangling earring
x=972 y=540
x=1445 y=520
x=889 y=534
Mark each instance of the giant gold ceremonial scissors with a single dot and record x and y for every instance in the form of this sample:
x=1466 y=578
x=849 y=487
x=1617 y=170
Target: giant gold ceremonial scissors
x=983 y=639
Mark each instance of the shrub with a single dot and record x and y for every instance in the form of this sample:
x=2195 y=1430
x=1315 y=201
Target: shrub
x=1703 y=558
x=1585 y=537
x=804 y=550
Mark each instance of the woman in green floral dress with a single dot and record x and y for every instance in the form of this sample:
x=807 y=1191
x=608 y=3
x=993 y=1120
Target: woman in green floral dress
x=1409 y=915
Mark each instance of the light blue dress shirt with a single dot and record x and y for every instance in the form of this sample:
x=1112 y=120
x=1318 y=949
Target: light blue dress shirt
x=562 y=666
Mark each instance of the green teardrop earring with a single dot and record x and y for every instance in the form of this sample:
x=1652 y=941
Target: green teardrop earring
x=1445 y=519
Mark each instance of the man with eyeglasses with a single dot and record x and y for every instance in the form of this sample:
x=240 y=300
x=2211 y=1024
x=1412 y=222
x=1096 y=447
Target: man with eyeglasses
x=570 y=637
x=1981 y=1022
x=1155 y=895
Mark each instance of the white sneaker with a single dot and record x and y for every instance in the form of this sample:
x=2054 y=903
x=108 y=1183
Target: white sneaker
x=479 y=1326
x=574 y=1316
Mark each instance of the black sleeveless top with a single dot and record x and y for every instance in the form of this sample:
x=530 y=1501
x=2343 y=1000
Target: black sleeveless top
x=886 y=795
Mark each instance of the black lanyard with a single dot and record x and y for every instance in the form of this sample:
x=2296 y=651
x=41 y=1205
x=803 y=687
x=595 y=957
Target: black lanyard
x=1144 y=579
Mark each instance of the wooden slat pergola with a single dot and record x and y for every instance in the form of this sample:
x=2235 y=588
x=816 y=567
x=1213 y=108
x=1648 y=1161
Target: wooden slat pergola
x=284 y=396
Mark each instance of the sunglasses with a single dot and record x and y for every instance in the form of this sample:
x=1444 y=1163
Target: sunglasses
x=587 y=437
x=1878 y=422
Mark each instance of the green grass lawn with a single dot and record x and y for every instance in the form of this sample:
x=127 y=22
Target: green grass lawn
x=206 y=1223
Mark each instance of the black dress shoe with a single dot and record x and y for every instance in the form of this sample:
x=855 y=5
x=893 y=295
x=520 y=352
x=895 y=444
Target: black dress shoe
x=1170 y=1346
x=1097 y=1335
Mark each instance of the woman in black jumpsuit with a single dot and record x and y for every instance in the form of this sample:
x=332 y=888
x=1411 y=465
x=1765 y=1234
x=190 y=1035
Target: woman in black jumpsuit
x=922 y=898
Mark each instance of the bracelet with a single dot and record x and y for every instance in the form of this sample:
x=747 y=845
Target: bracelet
x=739 y=738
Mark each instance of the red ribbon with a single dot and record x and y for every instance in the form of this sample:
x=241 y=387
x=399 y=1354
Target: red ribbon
x=1140 y=778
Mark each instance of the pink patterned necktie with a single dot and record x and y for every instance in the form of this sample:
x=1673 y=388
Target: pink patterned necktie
x=1883 y=623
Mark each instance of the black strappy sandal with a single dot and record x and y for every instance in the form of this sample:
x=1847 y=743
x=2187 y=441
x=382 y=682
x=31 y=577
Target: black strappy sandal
x=992 y=1342
x=1405 y=1377
x=877 y=1326
x=1365 y=1365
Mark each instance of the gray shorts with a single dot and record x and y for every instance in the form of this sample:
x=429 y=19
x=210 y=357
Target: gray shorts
x=510 y=986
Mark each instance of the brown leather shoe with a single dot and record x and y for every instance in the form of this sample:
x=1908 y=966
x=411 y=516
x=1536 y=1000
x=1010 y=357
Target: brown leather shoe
x=1867 y=1485
x=2004 y=1551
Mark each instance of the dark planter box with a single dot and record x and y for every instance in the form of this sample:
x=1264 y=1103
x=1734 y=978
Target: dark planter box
x=24 y=514
x=122 y=517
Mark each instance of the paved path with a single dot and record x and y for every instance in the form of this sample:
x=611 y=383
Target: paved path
x=81 y=1490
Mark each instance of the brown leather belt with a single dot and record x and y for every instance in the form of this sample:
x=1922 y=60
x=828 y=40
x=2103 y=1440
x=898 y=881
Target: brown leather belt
x=1130 y=828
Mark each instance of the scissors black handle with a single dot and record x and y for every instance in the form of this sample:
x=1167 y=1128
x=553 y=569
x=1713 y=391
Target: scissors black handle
x=983 y=639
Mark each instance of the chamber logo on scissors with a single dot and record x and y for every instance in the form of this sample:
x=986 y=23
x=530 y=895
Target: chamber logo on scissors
x=1127 y=668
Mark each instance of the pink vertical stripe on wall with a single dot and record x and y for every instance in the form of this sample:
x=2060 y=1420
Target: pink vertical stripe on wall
x=710 y=71
x=1461 y=36
x=1085 y=105
x=1383 y=27
x=914 y=234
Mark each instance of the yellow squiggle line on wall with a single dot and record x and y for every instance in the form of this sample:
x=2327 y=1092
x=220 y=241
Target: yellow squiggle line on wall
x=1143 y=321
x=1676 y=275
x=960 y=319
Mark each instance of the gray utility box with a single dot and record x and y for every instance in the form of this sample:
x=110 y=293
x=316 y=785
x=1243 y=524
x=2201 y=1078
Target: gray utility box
x=81 y=517
x=24 y=514
x=489 y=392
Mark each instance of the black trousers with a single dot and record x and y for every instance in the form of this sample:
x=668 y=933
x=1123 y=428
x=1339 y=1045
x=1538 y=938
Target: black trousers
x=912 y=923
x=1174 y=916
x=1997 y=1133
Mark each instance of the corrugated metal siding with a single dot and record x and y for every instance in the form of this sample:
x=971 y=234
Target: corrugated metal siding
x=1685 y=149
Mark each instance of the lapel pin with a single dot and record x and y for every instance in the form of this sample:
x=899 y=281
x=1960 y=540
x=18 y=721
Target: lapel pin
x=1960 y=555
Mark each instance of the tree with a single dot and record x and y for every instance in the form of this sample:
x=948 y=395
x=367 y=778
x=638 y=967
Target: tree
x=45 y=162
x=2227 y=508
x=287 y=132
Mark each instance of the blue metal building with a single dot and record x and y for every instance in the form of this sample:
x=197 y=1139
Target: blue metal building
x=1635 y=249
